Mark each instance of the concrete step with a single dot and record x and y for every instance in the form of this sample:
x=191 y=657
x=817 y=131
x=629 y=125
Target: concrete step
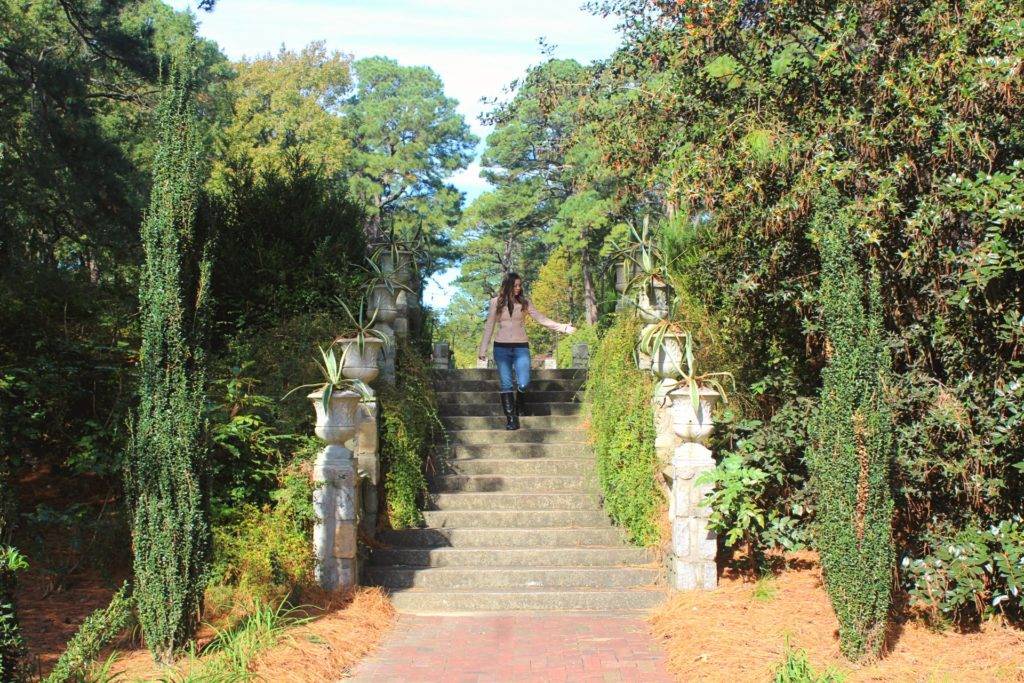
x=494 y=386
x=548 y=537
x=478 y=578
x=613 y=556
x=447 y=397
x=492 y=373
x=521 y=450
x=493 y=408
x=514 y=501
x=514 y=519
x=521 y=466
x=487 y=436
x=527 y=421
x=482 y=483
x=581 y=599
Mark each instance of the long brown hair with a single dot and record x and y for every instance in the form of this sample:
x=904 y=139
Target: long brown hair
x=506 y=296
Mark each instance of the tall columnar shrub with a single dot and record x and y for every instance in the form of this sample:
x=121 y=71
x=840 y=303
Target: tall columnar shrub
x=12 y=645
x=852 y=443
x=164 y=472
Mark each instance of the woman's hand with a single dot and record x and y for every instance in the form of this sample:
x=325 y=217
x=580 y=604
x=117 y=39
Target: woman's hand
x=569 y=329
x=481 y=357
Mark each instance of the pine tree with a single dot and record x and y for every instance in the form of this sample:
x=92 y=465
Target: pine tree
x=852 y=437
x=170 y=532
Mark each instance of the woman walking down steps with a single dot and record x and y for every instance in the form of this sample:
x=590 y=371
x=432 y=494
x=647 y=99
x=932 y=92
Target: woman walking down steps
x=511 y=346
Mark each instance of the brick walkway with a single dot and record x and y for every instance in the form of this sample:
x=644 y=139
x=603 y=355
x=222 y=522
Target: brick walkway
x=487 y=648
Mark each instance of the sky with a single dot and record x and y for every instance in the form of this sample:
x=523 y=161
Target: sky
x=477 y=47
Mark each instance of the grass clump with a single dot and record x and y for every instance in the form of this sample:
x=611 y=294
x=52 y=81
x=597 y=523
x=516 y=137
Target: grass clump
x=619 y=399
x=795 y=668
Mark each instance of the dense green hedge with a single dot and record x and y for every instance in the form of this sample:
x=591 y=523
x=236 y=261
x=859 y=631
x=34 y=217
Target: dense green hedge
x=409 y=424
x=618 y=397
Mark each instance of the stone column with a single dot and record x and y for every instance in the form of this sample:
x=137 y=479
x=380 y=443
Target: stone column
x=441 y=358
x=335 y=494
x=384 y=310
x=692 y=564
x=581 y=355
x=366 y=447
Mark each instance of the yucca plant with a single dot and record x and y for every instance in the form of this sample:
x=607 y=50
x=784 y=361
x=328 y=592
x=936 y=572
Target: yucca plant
x=331 y=365
x=359 y=327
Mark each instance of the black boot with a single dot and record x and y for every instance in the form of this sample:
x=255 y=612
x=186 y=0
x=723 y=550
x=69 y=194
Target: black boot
x=508 y=406
x=521 y=401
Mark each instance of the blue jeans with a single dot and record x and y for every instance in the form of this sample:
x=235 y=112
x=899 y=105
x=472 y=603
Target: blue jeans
x=509 y=359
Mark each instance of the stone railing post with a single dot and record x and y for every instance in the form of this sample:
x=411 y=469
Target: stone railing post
x=366 y=447
x=441 y=357
x=580 y=355
x=694 y=547
x=335 y=493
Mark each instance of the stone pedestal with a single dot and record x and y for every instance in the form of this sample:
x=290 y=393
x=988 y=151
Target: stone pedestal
x=692 y=565
x=366 y=448
x=441 y=356
x=335 y=501
x=550 y=363
x=485 y=363
x=580 y=355
x=387 y=356
x=665 y=439
x=401 y=323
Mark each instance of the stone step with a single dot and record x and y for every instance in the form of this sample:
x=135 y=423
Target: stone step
x=521 y=450
x=482 y=578
x=514 y=501
x=613 y=556
x=521 y=466
x=482 y=483
x=548 y=537
x=462 y=397
x=514 y=519
x=471 y=437
x=492 y=373
x=578 y=599
x=493 y=408
x=527 y=421
x=494 y=386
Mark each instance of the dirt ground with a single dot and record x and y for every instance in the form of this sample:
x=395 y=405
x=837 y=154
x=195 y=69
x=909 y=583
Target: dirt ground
x=729 y=635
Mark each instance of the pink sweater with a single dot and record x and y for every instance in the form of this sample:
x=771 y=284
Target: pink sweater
x=511 y=328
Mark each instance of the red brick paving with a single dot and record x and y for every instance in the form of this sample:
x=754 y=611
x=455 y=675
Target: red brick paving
x=525 y=646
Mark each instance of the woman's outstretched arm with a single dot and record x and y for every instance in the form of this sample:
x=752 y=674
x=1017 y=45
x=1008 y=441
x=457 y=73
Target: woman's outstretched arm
x=492 y=316
x=548 y=322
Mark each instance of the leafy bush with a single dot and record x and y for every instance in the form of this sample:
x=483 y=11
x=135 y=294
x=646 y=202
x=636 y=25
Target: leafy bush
x=585 y=334
x=12 y=645
x=975 y=574
x=99 y=629
x=261 y=554
x=408 y=424
x=619 y=400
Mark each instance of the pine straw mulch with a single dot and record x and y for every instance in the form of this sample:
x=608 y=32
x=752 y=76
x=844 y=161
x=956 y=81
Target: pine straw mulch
x=728 y=635
x=342 y=631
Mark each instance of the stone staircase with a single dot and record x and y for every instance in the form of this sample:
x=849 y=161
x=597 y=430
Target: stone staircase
x=515 y=519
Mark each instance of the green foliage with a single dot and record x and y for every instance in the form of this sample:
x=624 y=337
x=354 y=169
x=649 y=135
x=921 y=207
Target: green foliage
x=408 y=424
x=12 y=645
x=99 y=629
x=759 y=498
x=977 y=573
x=619 y=400
x=852 y=443
x=262 y=554
x=795 y=668
x=586 y=334
x=166 y=464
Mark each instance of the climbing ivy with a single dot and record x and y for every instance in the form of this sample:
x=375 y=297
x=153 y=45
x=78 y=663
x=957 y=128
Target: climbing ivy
x=852 y=442
x=165 y=467
x=618 y=398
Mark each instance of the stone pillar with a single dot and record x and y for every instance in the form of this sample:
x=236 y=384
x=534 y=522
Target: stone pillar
x=401 y=323
x=365 y=445
x=335 y=494
x=692 y=564
x=441 y=359
x=581 y=355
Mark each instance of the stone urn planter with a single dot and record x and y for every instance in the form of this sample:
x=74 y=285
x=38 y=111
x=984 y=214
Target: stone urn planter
x=383 y=308
x=693 y=426
x=337 y=423
x=624 y=272
x=362 y=365
x=653 y=301
x=398 y=263
x=667 y=358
